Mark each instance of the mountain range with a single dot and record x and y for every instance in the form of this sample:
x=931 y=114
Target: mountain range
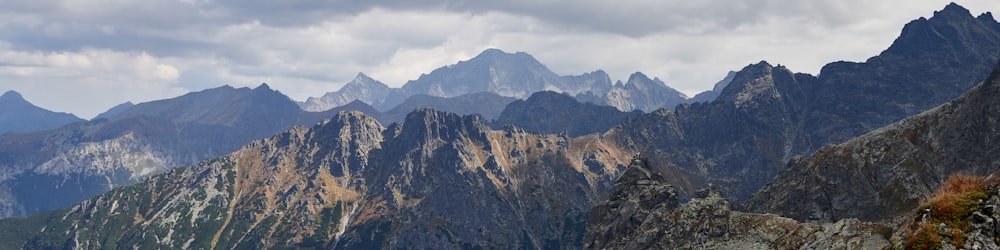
x=82 y=159
x=515 y=75
x=555 y=169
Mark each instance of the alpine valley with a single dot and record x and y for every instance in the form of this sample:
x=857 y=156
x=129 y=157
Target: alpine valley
x=500 y=152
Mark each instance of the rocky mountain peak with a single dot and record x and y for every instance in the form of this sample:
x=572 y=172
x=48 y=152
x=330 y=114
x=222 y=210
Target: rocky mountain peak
x=263 y=87
x=639 y=78
x=361 y=79
x=751 y=82
x=952 y=10
x=11 y=95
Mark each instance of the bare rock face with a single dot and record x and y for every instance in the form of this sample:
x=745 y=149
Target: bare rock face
x=644 y=213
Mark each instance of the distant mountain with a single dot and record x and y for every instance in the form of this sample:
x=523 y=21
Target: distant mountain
x=553 y=113
x=362 y=88
x=350 y=183
x=883 y=175
x=486 y=104
x=113 y=111
x=642 y=93
x=45 y=170
x=513 y=75
x=19 y=115
x=516 y=75
x=710 y=95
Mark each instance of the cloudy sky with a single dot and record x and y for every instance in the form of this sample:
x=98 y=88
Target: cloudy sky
x=84 y=56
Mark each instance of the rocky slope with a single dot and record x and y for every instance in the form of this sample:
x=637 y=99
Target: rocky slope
x=883 y=174
x=19 y=115
x=51 y=169
x=349 y=183
x=643 y=212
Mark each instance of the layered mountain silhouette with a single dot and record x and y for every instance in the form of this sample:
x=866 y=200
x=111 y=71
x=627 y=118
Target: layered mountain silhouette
x=353 y=182
x=19 y=115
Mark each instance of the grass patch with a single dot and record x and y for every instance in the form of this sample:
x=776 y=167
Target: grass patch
x=952 y=205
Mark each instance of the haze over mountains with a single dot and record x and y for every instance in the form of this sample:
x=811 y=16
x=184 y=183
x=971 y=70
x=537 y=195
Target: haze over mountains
x=529 y=157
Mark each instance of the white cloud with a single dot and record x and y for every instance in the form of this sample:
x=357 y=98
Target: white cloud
x=86 y=56
x=82 y=82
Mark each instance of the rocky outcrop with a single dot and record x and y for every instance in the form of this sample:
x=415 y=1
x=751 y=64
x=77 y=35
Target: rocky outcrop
x=643 y=212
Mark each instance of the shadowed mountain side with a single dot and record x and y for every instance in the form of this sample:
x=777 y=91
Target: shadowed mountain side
x=884 y=174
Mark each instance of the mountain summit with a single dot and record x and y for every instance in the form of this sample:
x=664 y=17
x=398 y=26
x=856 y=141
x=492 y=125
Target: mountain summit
x=362 y=88
x=19 y=115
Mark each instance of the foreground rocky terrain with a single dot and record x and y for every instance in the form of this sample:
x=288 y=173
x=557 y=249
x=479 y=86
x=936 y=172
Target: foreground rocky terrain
x=643 y=212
